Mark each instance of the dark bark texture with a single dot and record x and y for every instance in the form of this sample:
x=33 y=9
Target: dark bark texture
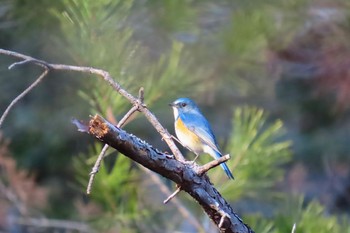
x=183 y=174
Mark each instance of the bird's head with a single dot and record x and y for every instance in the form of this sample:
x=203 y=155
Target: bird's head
x=184 y=105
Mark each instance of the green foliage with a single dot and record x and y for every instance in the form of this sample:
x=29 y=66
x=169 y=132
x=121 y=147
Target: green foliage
x=258 y=150
x=174 y=15
x=311 y=217
x=172 y=73
x=308 y=217
x=88 y=23
x=114 y=187
x=257 y=28
x=97 y=36
x=254 y=25
x=314 y=219
x=225 y=59
x=260 y=224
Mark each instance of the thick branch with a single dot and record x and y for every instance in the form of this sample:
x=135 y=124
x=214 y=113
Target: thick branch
x=183 y=174
x=172 y=167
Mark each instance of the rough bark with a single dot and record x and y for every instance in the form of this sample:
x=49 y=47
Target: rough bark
x=185 y=175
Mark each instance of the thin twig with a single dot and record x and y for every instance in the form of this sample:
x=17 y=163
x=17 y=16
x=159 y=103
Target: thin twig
x=199 y=187
x=202 y=191
x=222 y=219
x=96 y=167
x=294 y=227
x=206 y=167
x=20 y=96
x=13 y=198
x=53 y=223
x=120 y=124
x=189 y=149
x=116 y=86
x=30 y=60
x=141 y=95
x=19 y=63
x=176 y=202
x=172 y=195
x=100 y=157
x=175 y=138
x=39 y=223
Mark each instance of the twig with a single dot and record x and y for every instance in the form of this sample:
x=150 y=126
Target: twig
x=223 y=215
x=116 y=86
x=120 y=124
x=13 y=198
x=179 y=206
x=18 y=63
x=53 y=223
x=172 y=195
x=199 y=187
x=176 y=139
x=173 y=168
x=39 y=223
x=294 y=227
x=41 y=63
x=206 y=167
x=36 y=222
x=100 y=157
x=222 y=219
x=96 y=167
x=20 y=96
x=189 y=149
x=141 y=95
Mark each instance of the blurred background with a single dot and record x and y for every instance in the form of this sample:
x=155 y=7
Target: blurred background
x=272 y=77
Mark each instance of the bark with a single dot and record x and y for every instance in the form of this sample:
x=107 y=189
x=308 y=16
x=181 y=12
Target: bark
x=184 y=174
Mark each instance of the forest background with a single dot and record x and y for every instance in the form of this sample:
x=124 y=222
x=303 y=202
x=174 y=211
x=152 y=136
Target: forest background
x=272 y=77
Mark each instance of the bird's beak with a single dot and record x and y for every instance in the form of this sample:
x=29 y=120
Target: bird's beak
x=172 y=105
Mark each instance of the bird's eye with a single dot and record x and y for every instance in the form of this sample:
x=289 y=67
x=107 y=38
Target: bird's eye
x=183 y=105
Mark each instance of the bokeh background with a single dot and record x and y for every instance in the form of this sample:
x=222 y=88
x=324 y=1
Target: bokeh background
x=271 y=76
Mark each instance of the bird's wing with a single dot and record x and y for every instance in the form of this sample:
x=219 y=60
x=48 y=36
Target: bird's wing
x=200 y=126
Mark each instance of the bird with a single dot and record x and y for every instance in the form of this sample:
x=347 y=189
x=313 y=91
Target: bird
x=194 y=132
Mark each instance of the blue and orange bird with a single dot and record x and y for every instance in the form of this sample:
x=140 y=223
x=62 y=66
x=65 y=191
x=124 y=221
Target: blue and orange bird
x=194 y=132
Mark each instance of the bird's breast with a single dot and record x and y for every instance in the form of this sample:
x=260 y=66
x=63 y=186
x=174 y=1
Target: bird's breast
x=187 y=137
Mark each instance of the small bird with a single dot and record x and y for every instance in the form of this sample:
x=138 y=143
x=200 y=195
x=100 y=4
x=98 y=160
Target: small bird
x=194 y=131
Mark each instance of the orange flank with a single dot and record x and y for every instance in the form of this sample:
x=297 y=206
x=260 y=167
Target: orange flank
x=187 y=137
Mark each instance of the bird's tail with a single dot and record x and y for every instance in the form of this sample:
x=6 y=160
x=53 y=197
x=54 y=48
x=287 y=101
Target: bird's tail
x=227 y=170
x=223 y=165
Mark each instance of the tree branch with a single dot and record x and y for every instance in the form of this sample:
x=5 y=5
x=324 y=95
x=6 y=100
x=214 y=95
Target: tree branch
x=24 y=93
x=173 y=167
x=108 y=78
x=100 y=157
x=120 y=124
x=178 y=204
x=183 y=174
x=39 y=223
x=206 y=167
x=178 y=189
